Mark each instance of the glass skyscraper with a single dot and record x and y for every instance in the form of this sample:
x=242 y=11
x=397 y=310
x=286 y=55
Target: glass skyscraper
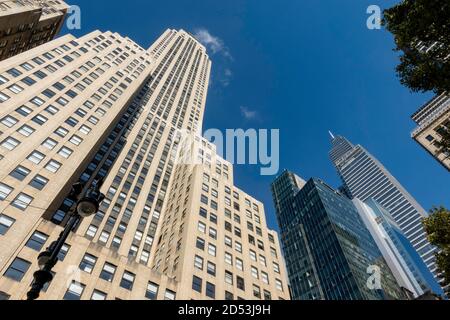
x=365 y=177
x=329 y=252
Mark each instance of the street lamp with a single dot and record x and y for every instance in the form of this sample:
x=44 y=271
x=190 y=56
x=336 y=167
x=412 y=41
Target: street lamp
x=87 y=204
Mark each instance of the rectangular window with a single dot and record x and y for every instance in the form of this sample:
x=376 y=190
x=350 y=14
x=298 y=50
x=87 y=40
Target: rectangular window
x=74 y=291
x=22 y=201
x=5 y=224
x=169 y=295
x=98 y=295
x=108 y=272
x=20 y=173
x=197 y=284
x=5 y=190
x=39 y=182
x=37 y=241
x=88 y=263
x=152 y=291
x=127 y=280
x=210 y=290
x=36 y=157
x=198 y=262
x=53 y=166
x=211 y=268
x=17 y=269
x=25 y=130
x=10 y=143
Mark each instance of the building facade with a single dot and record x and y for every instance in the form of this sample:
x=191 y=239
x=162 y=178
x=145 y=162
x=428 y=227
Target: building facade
x=432 y=119
x=103 y=107
x=330 y=254
x=366 y=178
x=403 y=260
x=25 y=24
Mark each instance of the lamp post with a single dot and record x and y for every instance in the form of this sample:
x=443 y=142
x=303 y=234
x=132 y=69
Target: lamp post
x=87 y=204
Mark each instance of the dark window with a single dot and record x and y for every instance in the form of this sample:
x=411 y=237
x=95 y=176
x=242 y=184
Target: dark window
x=17 y=269
x=20 y=173
x=108 y=272
x=39 y=182
x=88 y=263
x=240 y=283
x=37 y=241
x=197 y=284
x=210 y=290
x=127 y=280
x=200 y=244
x=152 y=291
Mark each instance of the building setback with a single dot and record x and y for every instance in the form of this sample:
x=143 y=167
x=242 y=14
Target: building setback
x=26 y=24
x=432 y=119
x=366 y=178
x=103 y=107
x=330 y=254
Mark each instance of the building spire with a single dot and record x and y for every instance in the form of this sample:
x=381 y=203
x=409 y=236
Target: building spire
x=332 y=135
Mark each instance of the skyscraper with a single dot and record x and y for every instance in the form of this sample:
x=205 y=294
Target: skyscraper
x=403 y=260
x=29 y=23
x=432 y=119
x=103 y=107
x=329 y=252
x=365 y=177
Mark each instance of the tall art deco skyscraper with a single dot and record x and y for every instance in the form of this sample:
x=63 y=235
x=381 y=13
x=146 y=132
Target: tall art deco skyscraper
x=366 y=178
x=103 y=107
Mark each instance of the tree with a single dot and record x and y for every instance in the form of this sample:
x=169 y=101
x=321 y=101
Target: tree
x=437 y=226
x=421 y=29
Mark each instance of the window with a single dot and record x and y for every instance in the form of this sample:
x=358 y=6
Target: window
x=36 y=157
x=37 y=241
x=200 y=244
x=26 y=130
x=39 y=182
x=15 y=88
x=22 y=201
x=10 y=143
x=5 y=223
x=127 y=280
x=228 y=258
x=198 y=262
x=65 y=152
x=74 y=291
x=212 y=249
x=211 y=268
x=240 y=283
x=239 y=264
x=62 y=132
x=4 y=191
x=104 y=236
x=88 y=263
x=17 y=269
x=152 y=291
x=9 y=121
x=210 y=290
x=253 y=255
x=201 y=227
x=53 y=166
x=229 y=296
x=279 y=284
x=49 y=143
x=39 y=119
x=197 y=284
x=3 y=97
x=76 y=140
x=256 y=291
x=169 y=295
x=228 y=277
x=91 y=231
x=255 y=273
x=276 y=267
x=20 y=173
x=265 y=277
x=108 y=272
x=98 y=295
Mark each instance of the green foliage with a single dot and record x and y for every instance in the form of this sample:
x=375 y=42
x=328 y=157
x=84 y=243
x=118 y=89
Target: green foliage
x=426 y=22
x=444 y=143
x=437 y=226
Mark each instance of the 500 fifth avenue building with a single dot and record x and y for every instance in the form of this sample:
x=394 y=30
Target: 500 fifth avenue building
x=330 y=254
x=103 y=107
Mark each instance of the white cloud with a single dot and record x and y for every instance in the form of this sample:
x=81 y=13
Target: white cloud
x=249 y=114
x=215 y=44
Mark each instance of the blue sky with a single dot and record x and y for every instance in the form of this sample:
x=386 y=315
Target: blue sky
x=302 y=66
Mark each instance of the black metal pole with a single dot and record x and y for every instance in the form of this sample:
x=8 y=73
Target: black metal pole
x=50 y=256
